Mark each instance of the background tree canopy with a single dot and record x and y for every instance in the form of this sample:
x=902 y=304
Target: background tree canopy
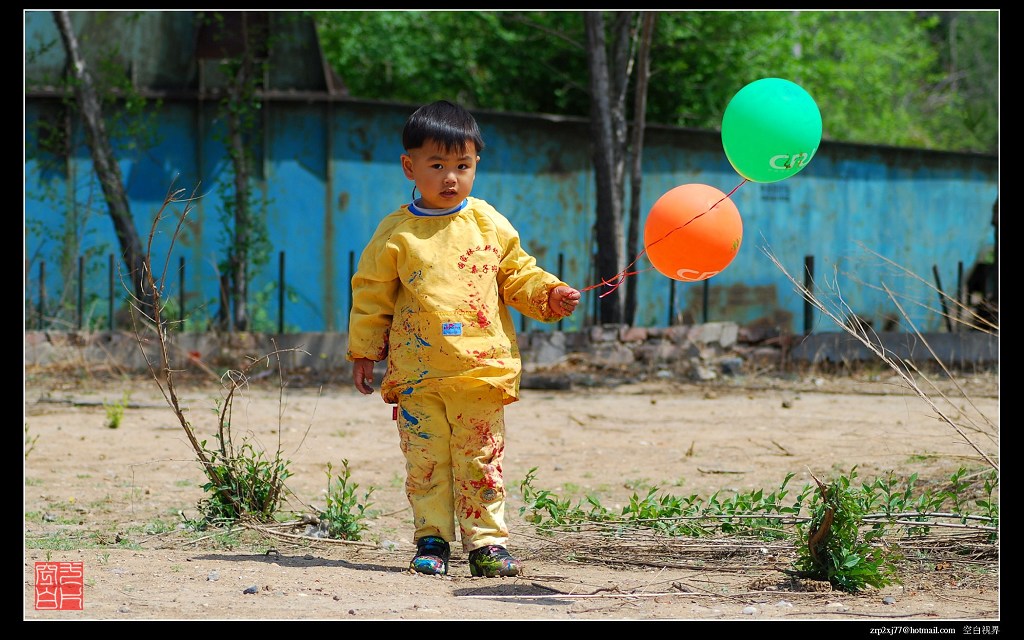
x=925 y=79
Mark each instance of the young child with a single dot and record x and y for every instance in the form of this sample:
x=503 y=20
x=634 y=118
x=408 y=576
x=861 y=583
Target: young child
x=431 y=294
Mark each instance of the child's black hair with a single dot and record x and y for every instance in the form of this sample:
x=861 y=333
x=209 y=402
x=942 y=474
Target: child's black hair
x=447 y=124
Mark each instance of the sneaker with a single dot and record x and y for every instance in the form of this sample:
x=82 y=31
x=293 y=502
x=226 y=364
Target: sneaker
x=492 y=561
x=432 y=555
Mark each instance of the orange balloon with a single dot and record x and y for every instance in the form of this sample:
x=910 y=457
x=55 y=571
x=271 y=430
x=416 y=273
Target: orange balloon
x=692 y=232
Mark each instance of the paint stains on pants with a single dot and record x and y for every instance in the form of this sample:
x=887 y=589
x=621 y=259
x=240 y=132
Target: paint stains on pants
x=454 y=441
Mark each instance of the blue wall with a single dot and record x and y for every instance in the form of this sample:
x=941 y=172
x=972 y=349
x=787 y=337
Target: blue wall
x=877 y=221
x=872 y=218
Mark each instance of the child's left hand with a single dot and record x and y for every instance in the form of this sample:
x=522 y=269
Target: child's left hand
x=563 y=300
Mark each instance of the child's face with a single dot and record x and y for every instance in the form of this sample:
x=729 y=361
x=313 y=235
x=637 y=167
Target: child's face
x=443 y=178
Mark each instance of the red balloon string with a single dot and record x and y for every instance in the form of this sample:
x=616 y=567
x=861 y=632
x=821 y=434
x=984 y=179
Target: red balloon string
x=615 y=281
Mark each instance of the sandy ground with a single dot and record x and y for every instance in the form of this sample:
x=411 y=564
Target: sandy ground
x=112 y=499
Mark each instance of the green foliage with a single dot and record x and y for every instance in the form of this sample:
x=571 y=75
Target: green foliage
x=756 y=513
x=906 y=78
x=30 y=442
x=838 y=530
x=344 y=513
x=531 y=62
x=969 y=52
x=245 y=485
x=835 y=548
x=263 y=314
x=66 y=540
x=665 y=513
x=559 y=512
x=988 y=504
x=115 y=411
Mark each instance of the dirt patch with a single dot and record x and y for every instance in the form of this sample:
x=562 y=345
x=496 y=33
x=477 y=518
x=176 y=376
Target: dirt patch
x=116 y=498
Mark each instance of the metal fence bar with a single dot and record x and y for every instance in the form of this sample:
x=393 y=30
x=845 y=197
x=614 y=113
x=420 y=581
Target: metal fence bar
x=181 y=292
x=42 y=292
x=110 y=292
x=704 y=311
x=280 y=293
x=81 y=290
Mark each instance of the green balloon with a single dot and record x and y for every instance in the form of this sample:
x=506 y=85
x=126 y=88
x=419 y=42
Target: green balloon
x=770 y=130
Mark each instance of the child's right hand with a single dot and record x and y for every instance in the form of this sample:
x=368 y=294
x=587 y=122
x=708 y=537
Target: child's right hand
x=563 y=300
x=362 y=375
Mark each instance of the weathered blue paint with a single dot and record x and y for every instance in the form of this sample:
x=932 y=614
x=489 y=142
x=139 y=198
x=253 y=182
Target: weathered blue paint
x=328 y=170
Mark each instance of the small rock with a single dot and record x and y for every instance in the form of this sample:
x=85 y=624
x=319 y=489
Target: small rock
x=252 y=589
x=749 y=610
x=888 y=600
x=835 y=606
x=213 y=576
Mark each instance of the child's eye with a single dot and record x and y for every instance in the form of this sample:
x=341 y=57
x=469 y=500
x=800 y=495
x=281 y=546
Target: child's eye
x=463 y=167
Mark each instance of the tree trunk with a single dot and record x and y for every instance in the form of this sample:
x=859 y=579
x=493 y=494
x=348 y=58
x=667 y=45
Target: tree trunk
x=239 y=158
x=643 y=72
x=234 y=312
x=607 y=127
x=105 y=164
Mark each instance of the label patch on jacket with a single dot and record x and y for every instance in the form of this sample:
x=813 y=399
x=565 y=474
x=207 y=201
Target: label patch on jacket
x=451 y=328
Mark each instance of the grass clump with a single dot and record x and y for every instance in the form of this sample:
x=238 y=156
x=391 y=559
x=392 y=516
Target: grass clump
x=344 y=514
x=115 y=411
x=836 y=550
x=243 y=484
x=844 y=533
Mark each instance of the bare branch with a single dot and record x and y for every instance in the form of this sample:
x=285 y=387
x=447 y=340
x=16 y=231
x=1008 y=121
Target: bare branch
x=904 y=368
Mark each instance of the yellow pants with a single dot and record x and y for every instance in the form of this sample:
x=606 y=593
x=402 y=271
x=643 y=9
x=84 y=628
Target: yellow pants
x=454 y=441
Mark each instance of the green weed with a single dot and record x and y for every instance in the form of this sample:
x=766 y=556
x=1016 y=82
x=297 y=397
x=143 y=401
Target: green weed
x=838 y=528
x=71 y=540
x=836 y=549
x=30 y=442
x=344 y=513
x=159 y=526
x=637 y=484
x=242 y=484
x=115 y=411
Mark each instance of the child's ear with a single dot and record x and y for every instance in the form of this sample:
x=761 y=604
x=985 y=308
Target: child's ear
x=407 y=166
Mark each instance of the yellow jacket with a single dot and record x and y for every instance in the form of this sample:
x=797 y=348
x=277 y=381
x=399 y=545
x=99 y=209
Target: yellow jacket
x=431 y=293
